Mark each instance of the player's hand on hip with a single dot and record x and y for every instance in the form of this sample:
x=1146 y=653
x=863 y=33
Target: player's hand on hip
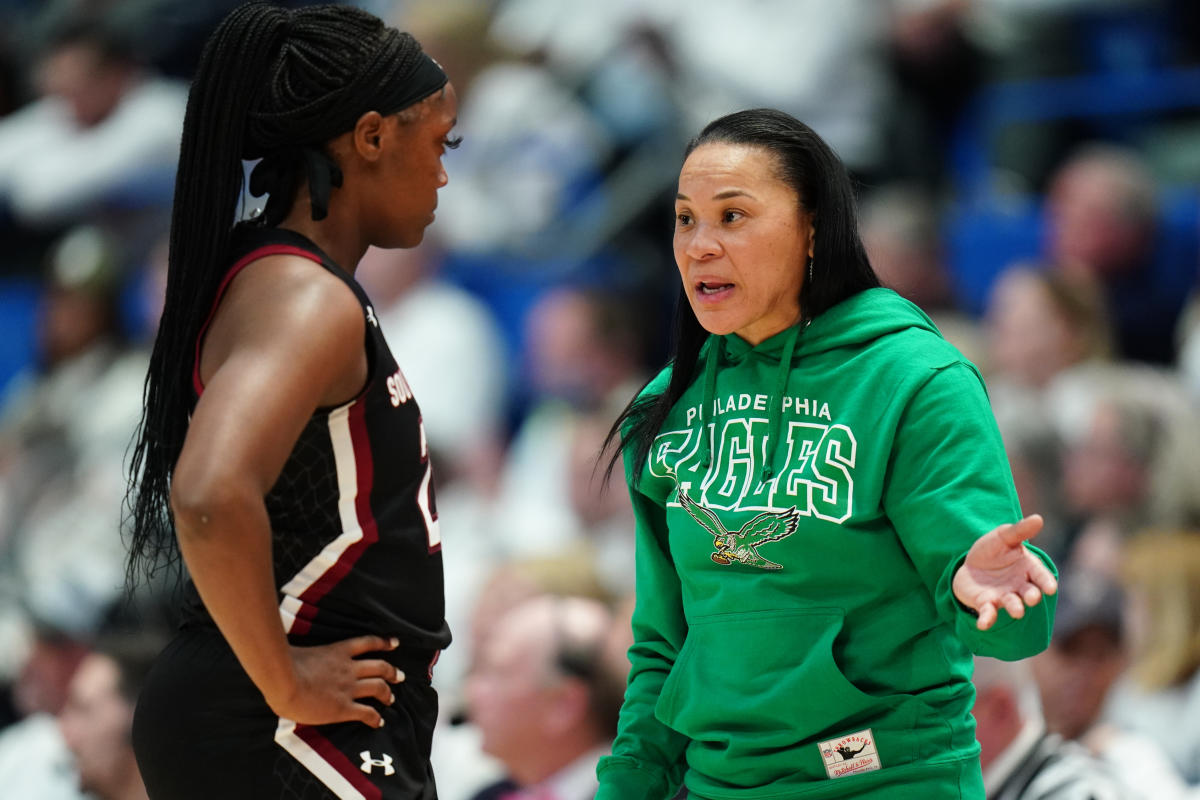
x=1000 y=572
x=329 y=680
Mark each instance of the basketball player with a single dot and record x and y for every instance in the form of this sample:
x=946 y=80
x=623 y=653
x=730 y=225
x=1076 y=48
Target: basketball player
x=281 y=452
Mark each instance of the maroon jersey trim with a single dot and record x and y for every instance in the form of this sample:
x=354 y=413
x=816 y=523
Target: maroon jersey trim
x=242 y=263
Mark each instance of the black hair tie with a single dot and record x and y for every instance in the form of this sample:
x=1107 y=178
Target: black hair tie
x=277 y=173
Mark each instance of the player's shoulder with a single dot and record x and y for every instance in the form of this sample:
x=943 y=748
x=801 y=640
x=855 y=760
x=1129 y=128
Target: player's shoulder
x=291 y=295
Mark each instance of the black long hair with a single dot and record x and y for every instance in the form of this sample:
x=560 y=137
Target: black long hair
x=269 y=80
x=840 y=267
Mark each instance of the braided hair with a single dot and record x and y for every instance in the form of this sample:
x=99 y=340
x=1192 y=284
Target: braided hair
x=272 y=84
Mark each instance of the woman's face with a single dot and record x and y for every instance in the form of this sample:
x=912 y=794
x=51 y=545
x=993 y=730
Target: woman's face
x=415 y=167
x=741 y=241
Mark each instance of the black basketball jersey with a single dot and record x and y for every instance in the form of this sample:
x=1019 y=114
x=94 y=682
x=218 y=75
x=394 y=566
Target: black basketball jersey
x=353 y=519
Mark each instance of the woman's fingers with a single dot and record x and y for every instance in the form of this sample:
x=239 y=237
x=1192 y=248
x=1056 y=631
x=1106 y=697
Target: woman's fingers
x=333 y=680
x=1041 y=576
x=377 y=688
x=370 y=644
x=1013 y=605
x=1031 y=595
x=378 y=668
x=1013 y=535
x=987 y=616
x=366 y=715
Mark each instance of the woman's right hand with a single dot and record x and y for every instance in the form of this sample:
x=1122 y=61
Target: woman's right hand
x=329 y=679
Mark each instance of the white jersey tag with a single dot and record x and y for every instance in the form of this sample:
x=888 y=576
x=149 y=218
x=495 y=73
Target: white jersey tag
x=850 y=754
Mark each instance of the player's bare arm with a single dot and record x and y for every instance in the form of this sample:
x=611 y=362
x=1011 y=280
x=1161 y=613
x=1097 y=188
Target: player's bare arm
x=287 y=338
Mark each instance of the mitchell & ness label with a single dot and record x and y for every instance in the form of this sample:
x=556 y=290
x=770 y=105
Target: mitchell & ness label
x=850 y=755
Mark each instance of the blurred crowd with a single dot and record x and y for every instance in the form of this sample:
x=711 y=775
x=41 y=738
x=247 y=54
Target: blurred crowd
x=1029 y=174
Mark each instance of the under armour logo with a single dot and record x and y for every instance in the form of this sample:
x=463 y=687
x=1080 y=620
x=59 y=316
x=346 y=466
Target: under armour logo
x=370 y=763
x=371 y=316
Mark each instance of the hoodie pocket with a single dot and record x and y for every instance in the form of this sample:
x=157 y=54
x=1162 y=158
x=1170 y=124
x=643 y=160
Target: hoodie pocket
x=764 y=679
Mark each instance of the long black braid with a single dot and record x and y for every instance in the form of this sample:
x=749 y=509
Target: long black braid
x=272 y=84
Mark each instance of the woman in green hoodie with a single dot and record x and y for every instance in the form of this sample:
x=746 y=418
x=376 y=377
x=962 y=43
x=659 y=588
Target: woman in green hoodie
x=827 y=528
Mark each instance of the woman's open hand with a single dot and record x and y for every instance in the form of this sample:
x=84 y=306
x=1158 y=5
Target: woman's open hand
x=1000 y=571
x=329 y=679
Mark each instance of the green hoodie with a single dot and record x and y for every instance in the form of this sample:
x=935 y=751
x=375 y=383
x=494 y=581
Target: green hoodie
x=795 y=632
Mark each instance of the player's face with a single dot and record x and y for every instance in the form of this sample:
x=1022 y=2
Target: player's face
x=415 y=171
x=741 y=242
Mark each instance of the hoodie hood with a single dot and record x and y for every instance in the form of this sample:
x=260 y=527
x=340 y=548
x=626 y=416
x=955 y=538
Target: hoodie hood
x=853 y=323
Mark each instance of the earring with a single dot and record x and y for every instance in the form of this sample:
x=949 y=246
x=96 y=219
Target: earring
x=810 y=269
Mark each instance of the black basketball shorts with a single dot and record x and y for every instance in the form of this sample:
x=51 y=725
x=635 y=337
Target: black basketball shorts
x=202 y=731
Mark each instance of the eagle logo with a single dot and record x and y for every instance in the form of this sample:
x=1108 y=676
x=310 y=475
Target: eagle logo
x=742 y=545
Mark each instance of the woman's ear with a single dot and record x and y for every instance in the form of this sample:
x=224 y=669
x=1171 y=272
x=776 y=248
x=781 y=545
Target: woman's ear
x=812 y=234
x=368 y=135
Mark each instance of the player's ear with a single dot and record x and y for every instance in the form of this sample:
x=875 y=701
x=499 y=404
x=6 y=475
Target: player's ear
x=367 y=136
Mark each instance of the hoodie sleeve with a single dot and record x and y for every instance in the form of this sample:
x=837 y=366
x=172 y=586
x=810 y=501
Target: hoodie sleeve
x=949 y=483
x=647 y=759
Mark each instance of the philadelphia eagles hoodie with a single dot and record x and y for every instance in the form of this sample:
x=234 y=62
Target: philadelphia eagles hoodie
x=799 y=521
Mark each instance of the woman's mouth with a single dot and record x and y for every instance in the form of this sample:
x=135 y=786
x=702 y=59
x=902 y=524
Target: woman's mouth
x=713 y=290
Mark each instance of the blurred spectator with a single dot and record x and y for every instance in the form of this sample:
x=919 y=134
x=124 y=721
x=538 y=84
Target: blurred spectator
x=822 y=62
x=1035 y=456
x=899 y=227
x=78 y=392
x=511 y=583
x=898 y=223
x=55 y=653
x=88 y=679
x=34 y=759
x=1021 y=761
x=1040 y=325
x=532 y=144
x=98 y=717
x=105 y=132
x=1131 y=459
x=1160 y=697
x=63 y=433
x=542 y=700
x=452 y=353
x=459 y=761
x=649 y=78
x=1102 y=215
x=603 y=511
x=585 y=352
x=1087 y=654
x=1042 y=322
x=937 y=67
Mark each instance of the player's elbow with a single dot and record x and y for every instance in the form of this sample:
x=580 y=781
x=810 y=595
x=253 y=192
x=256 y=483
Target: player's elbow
x=202 y=503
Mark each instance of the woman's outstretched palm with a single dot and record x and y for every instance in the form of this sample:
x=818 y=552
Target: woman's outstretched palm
x=1000 y=572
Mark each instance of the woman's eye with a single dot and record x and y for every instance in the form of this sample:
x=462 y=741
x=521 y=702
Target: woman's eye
x=683 y=219
x=452 y=142
x=731 y=216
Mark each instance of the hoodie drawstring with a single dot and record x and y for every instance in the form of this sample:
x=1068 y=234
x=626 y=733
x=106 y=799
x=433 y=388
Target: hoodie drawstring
x=710 y=391
x=775 y=415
